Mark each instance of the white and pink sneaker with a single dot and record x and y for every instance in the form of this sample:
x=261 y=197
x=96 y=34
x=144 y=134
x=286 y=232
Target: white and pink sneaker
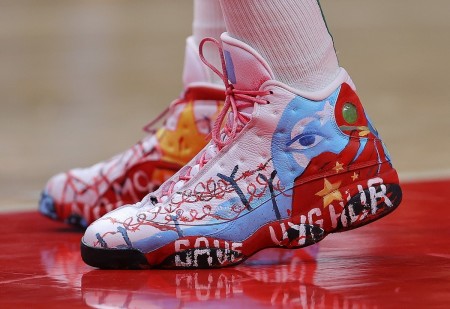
x=284 y=169
x=82 y=195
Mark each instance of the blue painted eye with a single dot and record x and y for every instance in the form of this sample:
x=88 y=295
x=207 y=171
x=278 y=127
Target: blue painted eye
x=307 y=140
x=304 y=141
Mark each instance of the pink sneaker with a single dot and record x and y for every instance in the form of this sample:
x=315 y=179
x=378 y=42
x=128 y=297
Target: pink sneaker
x=82 y=195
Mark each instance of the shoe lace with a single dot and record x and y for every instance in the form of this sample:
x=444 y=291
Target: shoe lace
x=226 y=126
x=152 y=126
x=235 y=100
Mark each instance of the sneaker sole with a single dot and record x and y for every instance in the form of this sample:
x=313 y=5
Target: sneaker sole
x=356 y=214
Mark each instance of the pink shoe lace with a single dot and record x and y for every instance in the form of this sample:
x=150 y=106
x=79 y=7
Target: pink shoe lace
x=246 y=98
x=235 y=101
x=152 y=126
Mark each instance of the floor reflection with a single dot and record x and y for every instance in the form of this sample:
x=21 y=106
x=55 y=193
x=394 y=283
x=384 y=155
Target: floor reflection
x=270 y=277
x=63 y=264
x=275 y=277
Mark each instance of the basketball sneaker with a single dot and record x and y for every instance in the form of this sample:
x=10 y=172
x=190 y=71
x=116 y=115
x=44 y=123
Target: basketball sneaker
x=81 y=195
x=284 y=169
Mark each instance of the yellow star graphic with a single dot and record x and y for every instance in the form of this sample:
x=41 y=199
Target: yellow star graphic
x=338 y=167
x=330 y=192
x=355 y=176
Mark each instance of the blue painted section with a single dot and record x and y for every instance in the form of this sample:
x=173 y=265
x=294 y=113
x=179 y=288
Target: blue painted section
x=155 y=241
x=236 y=230
x=47 y=206
x=101 y=241
x=362 y=145
x=306 y=129
x=386 y=152
x=243 y=227
x=230 y=67
x=124 y=233
x=371 y=127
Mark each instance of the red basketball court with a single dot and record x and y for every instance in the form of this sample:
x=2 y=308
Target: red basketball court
x=401 y=261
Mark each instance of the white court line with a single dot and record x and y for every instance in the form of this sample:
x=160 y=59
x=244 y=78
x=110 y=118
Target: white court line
x=11 y=206
x=425 y=175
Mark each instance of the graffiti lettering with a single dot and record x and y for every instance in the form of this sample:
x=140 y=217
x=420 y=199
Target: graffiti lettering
x=292 y=236
x=231 y=179
x=206 y=252
x=357 y=208
x=360 y=209
x=272 y=193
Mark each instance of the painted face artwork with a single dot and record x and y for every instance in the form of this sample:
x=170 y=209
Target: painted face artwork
x=305 y=130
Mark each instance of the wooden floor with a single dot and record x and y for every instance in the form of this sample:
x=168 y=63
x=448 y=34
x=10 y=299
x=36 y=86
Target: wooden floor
x=78 y=79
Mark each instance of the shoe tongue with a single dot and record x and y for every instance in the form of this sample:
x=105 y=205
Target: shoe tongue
x=246 y=69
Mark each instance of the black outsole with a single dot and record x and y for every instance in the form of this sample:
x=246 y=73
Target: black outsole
x=114 y=258
x=393 y=191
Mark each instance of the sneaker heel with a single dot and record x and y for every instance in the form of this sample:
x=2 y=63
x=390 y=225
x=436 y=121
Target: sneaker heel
x=369 y=205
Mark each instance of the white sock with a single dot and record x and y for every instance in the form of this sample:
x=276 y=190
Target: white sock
x=290 y=34
x=208 y=22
